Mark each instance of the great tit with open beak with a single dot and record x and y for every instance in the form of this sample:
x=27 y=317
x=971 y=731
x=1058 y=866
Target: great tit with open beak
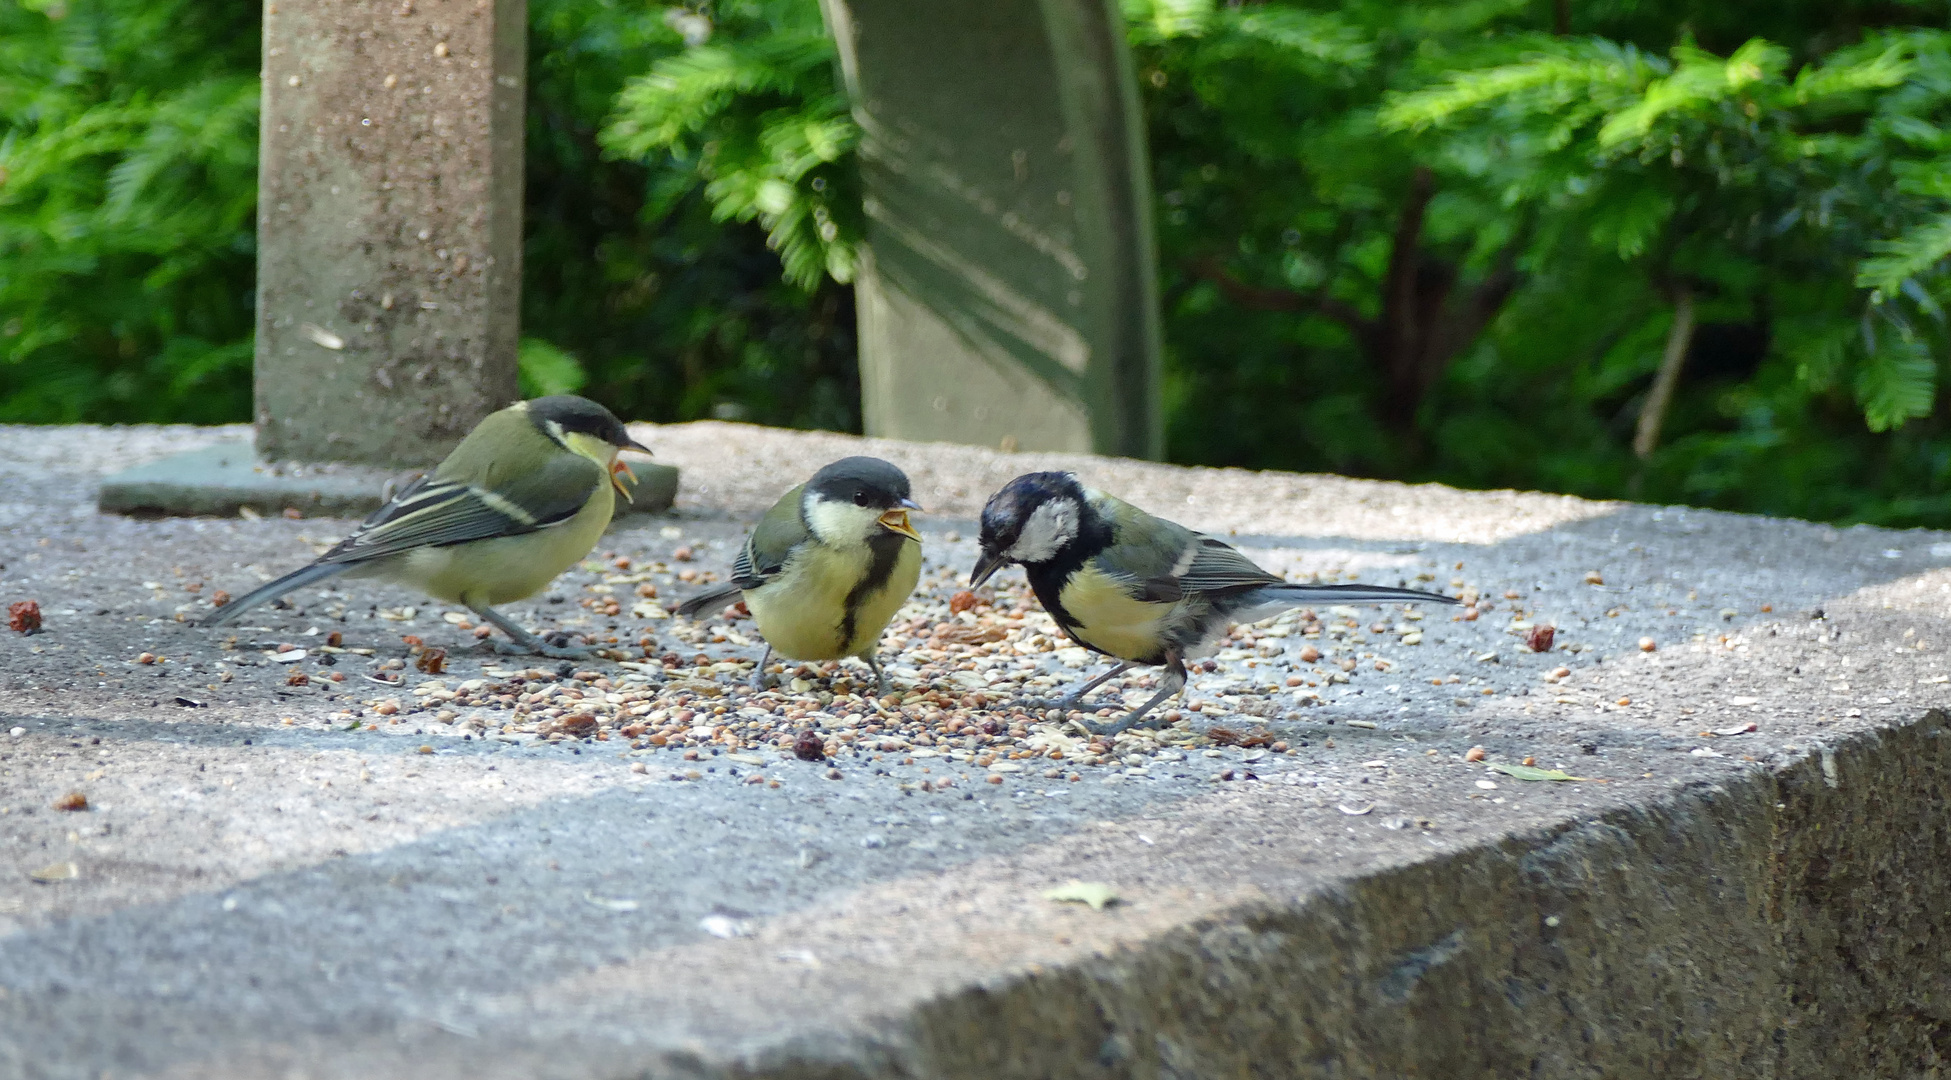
x=525 y=495
x=827 y=566
x=1137 y=588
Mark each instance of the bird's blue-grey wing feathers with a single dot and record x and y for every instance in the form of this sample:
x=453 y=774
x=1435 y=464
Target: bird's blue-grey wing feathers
x=1163 y=560
x=435 y=513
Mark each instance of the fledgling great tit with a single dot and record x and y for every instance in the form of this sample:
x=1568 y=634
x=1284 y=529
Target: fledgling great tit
x=1137 y=588
x=524 y=496
x=827 y=566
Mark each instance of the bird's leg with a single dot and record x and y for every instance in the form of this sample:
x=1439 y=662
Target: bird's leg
x=528 y=642
x=1175 y=681
x=758 y=673
x=1076 y=697
x=880 y=676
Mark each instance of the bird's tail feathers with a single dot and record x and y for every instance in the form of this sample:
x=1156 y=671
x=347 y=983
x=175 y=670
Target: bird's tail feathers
x=1273 y=599
x=270 y=591
x=710 y=601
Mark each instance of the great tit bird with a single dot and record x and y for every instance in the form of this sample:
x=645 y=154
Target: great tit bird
x=524 y=496
x=827 y=566
x=1136 y=588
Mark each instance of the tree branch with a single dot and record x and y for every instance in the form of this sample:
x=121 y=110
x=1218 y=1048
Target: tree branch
x=1678 y=338
x=1274 y=298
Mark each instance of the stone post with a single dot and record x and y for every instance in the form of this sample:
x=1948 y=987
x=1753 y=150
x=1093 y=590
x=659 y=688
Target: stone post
x=1007 y=296
x=389 y=225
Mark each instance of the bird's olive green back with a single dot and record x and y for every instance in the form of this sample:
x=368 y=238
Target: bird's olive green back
x=508 y=455
x=1167 y=557
x=1143 y=547
x=773 y=538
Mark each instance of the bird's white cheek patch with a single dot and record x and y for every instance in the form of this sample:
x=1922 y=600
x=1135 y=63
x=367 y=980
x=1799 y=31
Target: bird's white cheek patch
x=1050 y=527
x=840 y=522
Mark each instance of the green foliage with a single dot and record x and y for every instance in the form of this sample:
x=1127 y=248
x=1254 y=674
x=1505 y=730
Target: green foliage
x=544 y=369
x=128 y=169
x=675 y=305
x=1431 y=240
x=752 y=110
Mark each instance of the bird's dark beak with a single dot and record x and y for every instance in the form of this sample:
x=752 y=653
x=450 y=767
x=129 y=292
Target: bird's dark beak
x=986 y=564
x=896 y=520
x=638 y=447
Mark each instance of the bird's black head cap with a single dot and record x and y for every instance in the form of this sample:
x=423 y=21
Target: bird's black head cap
x=581 y=416
x=1030 y=520
x=863 y=481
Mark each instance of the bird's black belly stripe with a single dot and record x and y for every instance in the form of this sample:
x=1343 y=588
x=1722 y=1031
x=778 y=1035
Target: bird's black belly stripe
x=887 y=549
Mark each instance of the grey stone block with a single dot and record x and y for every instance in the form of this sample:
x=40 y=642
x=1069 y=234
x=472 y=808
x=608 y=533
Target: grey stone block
x=389 y=225
x=1751 y=880
x=1006 y=294
x=219 y=481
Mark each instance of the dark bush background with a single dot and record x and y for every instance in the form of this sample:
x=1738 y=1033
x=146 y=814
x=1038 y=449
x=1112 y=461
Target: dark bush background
x=1432 y=241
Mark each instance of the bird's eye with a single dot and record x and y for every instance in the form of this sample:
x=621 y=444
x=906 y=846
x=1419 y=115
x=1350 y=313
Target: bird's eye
x=860 y=498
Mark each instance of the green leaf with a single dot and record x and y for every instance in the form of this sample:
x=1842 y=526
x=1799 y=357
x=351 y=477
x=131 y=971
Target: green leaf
x=1095 y=893
x=1531 y=772
x=1897 y=382
x=542 y=369
x=1915 y=252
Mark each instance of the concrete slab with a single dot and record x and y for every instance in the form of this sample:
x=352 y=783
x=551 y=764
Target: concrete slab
x=344 y=879
x=226 y=478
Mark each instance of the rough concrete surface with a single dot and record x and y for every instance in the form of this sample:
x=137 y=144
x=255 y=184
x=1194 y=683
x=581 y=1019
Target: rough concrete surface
x=279 y=881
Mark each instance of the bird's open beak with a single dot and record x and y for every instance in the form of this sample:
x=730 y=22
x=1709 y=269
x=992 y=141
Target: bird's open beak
x=986 y=564
x=618 y=470
x=896 y=520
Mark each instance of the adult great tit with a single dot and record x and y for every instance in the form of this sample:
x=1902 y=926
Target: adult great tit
x=1136 y=588
x=524 y=496
x=827 y=567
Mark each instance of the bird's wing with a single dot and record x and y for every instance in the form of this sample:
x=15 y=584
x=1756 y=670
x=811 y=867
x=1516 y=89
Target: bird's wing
x=771 y=542
x=1163 y=560
x=1217 y=565
x=434 y=513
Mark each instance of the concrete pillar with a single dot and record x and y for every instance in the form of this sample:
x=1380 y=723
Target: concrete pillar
x=1008 y=293
x=389 y=225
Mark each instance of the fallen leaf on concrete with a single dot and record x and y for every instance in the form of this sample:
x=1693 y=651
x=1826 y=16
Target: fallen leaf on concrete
x=24 y=617
x=61 y=871
x=321 y=337
x=957 y=634
x=724 y=926
x=1095 y=893
x=1531 y=772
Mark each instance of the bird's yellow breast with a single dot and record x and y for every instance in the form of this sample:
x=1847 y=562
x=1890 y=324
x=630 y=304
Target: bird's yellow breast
x=802 y=612
x=506 y=568
x=1109 y=619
